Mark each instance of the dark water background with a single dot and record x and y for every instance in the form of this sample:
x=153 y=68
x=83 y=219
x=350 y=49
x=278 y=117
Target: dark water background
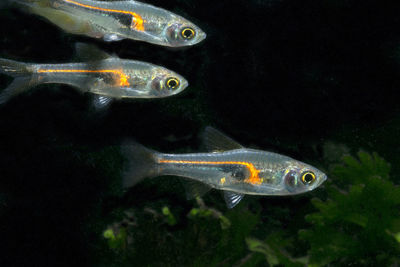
x=284 y=76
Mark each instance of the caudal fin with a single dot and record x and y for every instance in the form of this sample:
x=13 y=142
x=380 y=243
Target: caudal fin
x=22 y=74
x=141 y=163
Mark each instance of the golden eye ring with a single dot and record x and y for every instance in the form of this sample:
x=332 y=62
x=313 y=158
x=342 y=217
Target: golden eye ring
x=172 y=83
x=308 y=178
x=188 y=33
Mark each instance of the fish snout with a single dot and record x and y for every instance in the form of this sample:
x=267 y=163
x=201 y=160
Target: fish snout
x=201 y=36
x=324 y=177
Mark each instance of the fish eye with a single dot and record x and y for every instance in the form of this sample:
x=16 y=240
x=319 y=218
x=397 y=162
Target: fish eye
x=188 y=33
x=172 y=83
x=308 y=178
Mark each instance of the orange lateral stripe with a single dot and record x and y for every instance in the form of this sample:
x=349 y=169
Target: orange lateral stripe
x=137 y=20
x=123 y=78
x=253 y=179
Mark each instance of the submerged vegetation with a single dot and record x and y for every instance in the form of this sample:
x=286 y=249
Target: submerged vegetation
x=354 y=221
x=359 y=221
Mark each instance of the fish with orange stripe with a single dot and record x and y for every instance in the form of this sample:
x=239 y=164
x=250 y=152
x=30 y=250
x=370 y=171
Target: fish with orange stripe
x=117 y=20
x=229 y=167
x=107 y=77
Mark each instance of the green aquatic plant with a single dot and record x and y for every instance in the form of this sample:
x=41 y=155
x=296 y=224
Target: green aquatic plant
x=206 y=212
x=169 y=216
x=116 y=240
x=199 y=236
x=118 y=234
x=359 y=221
x=274 y=250
x=220 y=236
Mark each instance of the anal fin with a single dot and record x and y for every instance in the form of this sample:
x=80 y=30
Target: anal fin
x=101 y=102
x=194 y=188
x=232 y=198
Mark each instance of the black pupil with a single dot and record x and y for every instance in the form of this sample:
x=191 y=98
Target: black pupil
x=172 y=83
x=308 y=178
x=187 y=33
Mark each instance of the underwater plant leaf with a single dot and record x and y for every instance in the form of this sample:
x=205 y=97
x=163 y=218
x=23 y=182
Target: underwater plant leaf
x=365 y=159
x=351 y=162
x=356 y=224
x=354 y=170
x=256 y=245
x=116 y=241
x=169 y=216
x=274 y=250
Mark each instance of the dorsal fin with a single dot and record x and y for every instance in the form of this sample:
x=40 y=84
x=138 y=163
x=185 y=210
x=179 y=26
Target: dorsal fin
x=214 y=140
x=87 y=52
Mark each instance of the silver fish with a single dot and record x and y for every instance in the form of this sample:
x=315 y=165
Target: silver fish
x=104 y=75
x=116 y=20
x=231 y=167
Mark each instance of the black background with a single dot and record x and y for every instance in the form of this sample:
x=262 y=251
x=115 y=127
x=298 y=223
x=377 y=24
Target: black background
x=284 y=76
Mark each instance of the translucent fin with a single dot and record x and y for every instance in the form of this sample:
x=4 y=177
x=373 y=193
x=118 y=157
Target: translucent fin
x=13 y=68
x=214 y=140
x=87 y=52
x=111 y=37
x=22 y=82
x=194 y=188
x=27 y=4
x=18 y=86
x=141 y=163
x=232 y=199
x=101 y=102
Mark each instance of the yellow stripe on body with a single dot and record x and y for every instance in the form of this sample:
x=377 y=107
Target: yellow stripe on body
x=137 y=20
x=253 y=178
x=123 y=78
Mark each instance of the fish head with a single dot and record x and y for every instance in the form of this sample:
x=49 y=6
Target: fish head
x=165 y=83
x=298 y=177
x=181 y=32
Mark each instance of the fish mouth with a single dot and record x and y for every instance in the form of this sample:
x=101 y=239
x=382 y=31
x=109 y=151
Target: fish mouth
x=322 y=180
x=184 y=84
x=201 y=36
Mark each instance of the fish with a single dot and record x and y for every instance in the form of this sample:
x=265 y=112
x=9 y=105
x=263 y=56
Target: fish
x=116 y=20
x=229 y=167
x=107 y=77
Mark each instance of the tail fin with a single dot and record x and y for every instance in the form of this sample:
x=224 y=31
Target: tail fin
x=22 y=74
x=142 y=163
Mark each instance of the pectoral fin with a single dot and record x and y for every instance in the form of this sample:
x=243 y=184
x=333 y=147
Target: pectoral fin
x=232 y=199
x=214 y=140
x=110 y=37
